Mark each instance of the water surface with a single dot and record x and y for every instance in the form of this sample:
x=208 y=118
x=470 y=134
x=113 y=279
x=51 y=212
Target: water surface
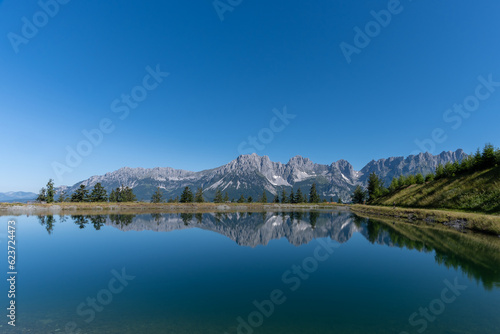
x=325 y=272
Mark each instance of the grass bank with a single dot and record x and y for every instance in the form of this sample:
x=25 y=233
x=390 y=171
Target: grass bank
x=138 y=207
x=473 y=221
x=476 y=192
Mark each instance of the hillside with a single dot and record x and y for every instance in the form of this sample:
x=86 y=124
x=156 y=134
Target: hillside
x=478 y=192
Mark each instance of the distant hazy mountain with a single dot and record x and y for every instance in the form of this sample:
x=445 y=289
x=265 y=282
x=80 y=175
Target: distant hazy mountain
x=251 y=174
x=17 y=196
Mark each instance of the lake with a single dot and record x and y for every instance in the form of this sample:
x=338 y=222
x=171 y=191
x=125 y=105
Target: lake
x=275 y=272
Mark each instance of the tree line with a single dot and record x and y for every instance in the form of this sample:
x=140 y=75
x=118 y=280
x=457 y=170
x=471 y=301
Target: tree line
x=82 y=194
x=488 y=158
x=187 y=196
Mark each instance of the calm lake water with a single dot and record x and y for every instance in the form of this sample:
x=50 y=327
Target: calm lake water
x=302 y=272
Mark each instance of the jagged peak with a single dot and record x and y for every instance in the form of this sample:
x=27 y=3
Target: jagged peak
x=298 y=159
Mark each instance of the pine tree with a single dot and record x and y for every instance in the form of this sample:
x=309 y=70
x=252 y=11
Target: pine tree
x=284 y=198
x=394 y=185
x=113 y=196
x=276 y=199
x=410 y=180
x=98 y=194
x=374 y=186
x=198 y=197
x=250 y=199
x=449 y=169
x=401 y=181
x=313 y=194
x=488 y=157
x=263 y=199
x=299 y=197
x=226 y=197
x=126 y=194
x=50 y=191
x=42 y=195
x=429 y=177
x=241 y=199
x=187 y=196
x=419 y=179
x=359 y=195
x=157 y=197
x=478 y=161
x=440 y=171
x=339 y=200
x=80 y=195
x=218 y=196
x=291 y=199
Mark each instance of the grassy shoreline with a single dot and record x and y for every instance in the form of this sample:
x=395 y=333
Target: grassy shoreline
x=137 y=207
x=472 y=221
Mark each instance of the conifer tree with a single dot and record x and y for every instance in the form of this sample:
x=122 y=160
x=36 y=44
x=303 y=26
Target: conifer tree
x=394 y=185
x=284 y=198
x=113 y=196
x=276 y=199
x=42 y=195
x=157 y=197
x=488 y=158
x=126 y=194
x=218 y=196
x=401 y=181
x=80 y=195
x=440 y=171
x=186 y=196
x=263 y=199
x=359 y=195
x=198 y=197
x=299 y=197
x=50 y=191
x=313 y=194
x=98 y=194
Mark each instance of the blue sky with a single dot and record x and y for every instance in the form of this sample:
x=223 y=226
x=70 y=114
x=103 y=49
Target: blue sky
x=227 y=76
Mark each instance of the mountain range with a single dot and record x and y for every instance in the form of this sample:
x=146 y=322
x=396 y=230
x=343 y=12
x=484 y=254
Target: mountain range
x=17 y=196
x=251 y=174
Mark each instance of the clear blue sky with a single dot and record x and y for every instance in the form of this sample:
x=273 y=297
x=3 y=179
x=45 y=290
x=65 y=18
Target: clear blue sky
x=226 y=77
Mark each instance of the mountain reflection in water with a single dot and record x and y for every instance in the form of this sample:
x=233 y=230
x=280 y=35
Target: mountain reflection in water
x=476 y=255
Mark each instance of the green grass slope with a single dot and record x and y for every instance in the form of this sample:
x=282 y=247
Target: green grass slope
x=477 y=192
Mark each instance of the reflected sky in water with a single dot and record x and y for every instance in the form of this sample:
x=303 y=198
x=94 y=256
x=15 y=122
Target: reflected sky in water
x=198 y=273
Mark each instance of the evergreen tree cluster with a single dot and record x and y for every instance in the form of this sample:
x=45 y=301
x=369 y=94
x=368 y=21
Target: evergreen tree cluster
x=292 y=198
x=122 y=194
x=47 y=193
x=488 y=158
x=82 y=194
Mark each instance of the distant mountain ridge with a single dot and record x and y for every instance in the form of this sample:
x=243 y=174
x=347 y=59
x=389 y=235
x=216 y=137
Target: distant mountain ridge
x=17 y=196
x=251 y=174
